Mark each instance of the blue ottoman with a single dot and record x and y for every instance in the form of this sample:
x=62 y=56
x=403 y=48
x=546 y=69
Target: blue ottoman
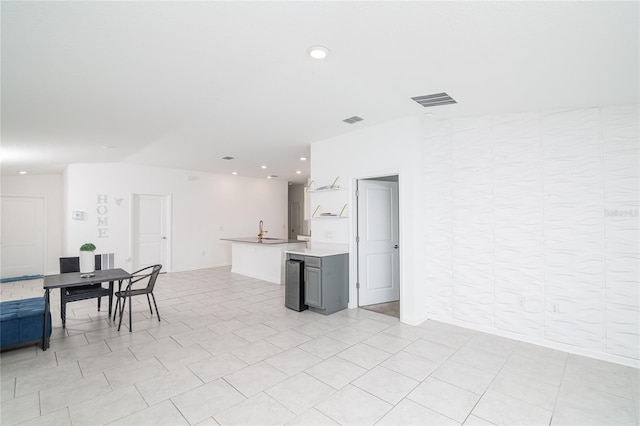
x=22 y=322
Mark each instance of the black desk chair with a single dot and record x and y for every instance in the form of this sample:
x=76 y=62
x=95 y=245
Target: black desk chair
x=84 y=292
x=148 y=274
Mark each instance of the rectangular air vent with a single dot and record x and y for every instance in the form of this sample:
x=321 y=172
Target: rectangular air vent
x=434 y=100
x=353 y=119
x=227 y=158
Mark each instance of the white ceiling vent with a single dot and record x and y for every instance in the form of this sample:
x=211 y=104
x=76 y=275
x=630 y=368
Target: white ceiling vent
x=353 y=119
x=434 y=100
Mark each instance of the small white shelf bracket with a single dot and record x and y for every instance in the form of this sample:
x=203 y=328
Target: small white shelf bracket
x=334 y=184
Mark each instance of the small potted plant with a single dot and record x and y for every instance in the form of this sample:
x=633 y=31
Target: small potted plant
x=87 y=258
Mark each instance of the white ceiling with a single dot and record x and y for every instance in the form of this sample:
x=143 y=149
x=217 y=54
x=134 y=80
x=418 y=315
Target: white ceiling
x=182 y=84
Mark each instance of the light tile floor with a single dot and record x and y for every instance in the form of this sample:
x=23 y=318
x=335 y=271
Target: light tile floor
x=227 y=351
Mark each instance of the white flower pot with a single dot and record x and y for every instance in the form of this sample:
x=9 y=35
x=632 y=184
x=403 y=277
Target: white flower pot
x=87 y=262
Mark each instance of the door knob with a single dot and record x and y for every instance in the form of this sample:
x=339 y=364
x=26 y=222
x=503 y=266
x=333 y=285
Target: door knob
x=164 y=238
x=395 y=247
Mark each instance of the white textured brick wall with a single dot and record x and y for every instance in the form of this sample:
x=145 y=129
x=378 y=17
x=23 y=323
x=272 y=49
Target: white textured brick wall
x=531 y=225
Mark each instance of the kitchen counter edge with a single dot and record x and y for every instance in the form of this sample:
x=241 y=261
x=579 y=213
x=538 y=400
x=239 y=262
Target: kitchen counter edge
x=317 y=252
x=264 y=241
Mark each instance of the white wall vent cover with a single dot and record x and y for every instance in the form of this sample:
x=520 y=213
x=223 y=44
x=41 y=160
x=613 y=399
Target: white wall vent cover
x=353 y=119
x=434 y=100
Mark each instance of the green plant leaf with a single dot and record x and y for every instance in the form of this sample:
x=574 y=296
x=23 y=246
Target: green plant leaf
x=88 y=247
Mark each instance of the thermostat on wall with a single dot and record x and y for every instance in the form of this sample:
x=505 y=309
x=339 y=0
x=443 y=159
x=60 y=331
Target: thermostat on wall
x=78 y=215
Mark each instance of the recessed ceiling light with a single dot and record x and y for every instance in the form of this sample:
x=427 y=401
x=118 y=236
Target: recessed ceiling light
x=318 y=52
x=263 y=166
x=227 y=158
x=107 y=147
x=234 y=173
x=22 y=172
x=298 y=172
x=303 y=158
x=269 y=177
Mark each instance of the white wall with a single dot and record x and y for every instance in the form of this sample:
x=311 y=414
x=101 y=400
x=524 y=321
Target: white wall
x=393 y=148
x=205 y=208
x=522 y=225
x=532 y=227
x=48 y=187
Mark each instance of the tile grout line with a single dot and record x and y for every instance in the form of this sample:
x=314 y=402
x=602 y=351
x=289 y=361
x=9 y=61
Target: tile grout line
x=487 y=388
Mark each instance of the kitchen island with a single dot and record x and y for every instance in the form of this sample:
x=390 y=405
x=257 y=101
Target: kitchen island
x=261 y=258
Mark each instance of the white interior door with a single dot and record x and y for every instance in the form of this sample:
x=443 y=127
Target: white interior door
x=150 y=230
x=295 y=220
x=22 y=236
x=378 y=251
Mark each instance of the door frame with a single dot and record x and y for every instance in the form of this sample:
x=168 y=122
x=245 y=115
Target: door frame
x=354 y=301
x=168 y=225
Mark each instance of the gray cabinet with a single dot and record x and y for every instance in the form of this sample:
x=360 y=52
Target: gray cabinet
x=326 y=283
x=313 y=287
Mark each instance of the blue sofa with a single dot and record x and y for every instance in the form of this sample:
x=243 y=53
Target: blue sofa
x=22 y=322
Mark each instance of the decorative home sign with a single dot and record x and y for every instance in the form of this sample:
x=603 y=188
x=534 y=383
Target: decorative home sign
x=102 y=210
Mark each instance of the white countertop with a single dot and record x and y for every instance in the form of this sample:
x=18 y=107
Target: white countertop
x=266 y=241
x=320 y=251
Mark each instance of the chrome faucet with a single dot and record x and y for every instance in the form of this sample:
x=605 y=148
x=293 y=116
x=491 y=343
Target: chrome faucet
x=262 y=231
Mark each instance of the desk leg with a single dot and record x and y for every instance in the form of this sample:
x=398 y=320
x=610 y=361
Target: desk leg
x=45 y=335
x=118 y=307
x=110 y=297
x=124 y=303
x=130 y=310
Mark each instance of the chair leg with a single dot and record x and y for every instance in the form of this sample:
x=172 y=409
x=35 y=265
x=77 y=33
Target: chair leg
x=63 y=310
x=124 y=302
x=154 y=304
x=149 y=302
x=99 y=301
x=115 y=310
